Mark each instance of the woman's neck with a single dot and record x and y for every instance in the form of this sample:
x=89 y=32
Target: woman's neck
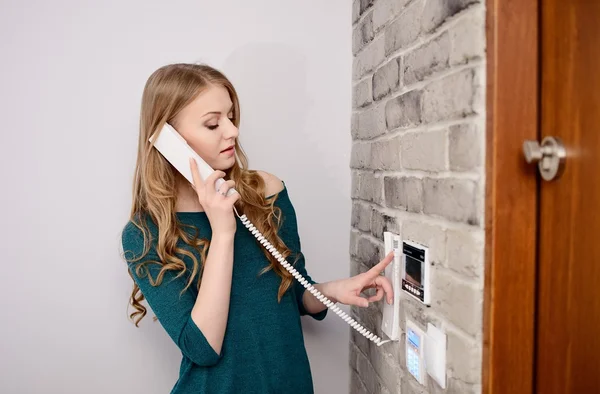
x=187 y=199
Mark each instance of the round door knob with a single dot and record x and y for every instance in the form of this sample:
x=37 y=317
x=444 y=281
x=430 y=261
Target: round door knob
x=533 y=151
x=550 y=156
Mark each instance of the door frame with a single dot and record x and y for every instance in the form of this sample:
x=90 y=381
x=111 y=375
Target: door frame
x=512 y=116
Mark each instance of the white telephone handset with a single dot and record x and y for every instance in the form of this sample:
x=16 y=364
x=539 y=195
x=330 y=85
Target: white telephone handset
x=176 y=150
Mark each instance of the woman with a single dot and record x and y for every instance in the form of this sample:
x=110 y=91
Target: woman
x=230 y=307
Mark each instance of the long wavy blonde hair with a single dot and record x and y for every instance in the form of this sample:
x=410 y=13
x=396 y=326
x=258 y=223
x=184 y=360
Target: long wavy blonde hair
x=168 y=90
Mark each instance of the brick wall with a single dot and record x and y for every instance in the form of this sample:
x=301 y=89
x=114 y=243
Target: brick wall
x=417 y=170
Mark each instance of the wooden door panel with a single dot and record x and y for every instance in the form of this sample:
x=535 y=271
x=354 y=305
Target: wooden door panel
x=568 y=307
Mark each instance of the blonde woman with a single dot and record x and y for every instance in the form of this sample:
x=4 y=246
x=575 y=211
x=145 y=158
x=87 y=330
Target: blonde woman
x=230 y=307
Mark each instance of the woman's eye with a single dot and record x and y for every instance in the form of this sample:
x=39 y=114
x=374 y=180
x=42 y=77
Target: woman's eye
x=212 y=127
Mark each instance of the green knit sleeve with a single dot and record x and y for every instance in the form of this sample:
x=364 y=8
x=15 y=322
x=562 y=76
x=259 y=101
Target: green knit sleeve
x=289 y=235
x=172 y=308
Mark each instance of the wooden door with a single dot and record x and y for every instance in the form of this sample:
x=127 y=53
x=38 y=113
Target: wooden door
x=568 y=287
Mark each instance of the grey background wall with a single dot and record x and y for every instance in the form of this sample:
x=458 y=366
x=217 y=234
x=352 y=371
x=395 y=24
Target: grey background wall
x=71 y=79
x=417 y=170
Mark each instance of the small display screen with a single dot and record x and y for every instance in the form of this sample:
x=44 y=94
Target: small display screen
x=413 y=338
x=414 y=271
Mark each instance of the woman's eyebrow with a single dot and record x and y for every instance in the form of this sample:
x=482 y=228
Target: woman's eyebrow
x=217 y=112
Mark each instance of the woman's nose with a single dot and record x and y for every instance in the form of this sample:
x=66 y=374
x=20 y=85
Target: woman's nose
x=231 y=132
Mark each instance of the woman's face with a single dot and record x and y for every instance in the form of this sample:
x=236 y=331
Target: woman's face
x=206 y=124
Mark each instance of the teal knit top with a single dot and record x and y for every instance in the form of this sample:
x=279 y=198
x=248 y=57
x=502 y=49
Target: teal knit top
x=263 y=349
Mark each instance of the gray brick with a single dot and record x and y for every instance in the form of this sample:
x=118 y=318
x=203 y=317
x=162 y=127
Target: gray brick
x=465 y=147
x=464 y=357
x=424 y=150
x=370 y=57
x=404 y=30
x=465 y=252
x=367 y=252
x=381 y=222
x=366 y=373
x=371 y=188
x=386 y=79
x=370 y=123
x=428 y=59
x=355 y=265
x=354 y=186
x=354 y=125
x=453 y=199
x=353 y=356
x=386 y=10
x=355 y=11
x=404 y=193
x=459 y=301
x=356 y=384
x=385 y=155
x=360 y=156
x=353 y=243
x=365 y=4
x=436 y=12
x=411 y=386
x=404 y=110
x=468 y=39
x=453 y=97
x=362 y=93
x=388 y=370
x=434 y=237
x=453 y=386
x=359 y=340
x=361 y=216
x=362 y=33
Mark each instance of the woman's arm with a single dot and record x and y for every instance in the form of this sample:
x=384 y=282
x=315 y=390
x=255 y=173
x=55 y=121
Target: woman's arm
x=195 y=322
x=211 y=308
x=311 y=304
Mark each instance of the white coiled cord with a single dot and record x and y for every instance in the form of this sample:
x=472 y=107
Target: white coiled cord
x=309 y=287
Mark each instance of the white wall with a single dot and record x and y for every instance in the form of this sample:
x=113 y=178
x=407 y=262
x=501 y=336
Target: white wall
x=71 y=80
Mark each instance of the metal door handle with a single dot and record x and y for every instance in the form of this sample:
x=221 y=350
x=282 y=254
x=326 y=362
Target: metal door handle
x=550 y=156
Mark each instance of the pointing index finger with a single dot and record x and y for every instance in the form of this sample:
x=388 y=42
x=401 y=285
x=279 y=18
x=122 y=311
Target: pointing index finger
x=377 y=269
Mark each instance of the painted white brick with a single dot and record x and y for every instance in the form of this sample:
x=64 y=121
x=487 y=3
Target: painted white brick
x=371 y=188
x=453 y=97
x=362 y=33
x=459 y=301
x=386 y=79
x=404 y=193
x=370 y=57
x=428 y=59
x=355 y=10
x=468 y=39
x=370 y=123
x=356 y=384
x=404 y=110
x=354 y=185
x=386 y=10
x=404 y=30
x=361 y=216
x=381 y=222
x=385 y=155
x=464 y=357
x=436 y=12
x=465 y=252
x=454 y=199
x=465 y=147
x=362 y=94
x=425 y=150
x=360 y=157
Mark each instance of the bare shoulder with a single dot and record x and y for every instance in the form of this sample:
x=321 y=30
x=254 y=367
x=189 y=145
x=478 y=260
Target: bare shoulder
x=273 y=184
